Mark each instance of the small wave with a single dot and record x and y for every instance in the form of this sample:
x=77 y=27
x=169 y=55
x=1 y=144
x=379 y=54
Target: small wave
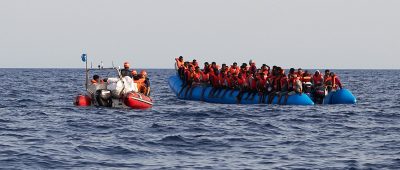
x=173 y=139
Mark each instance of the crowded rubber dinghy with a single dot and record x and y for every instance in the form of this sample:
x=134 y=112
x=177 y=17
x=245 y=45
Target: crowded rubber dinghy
x=249 y=84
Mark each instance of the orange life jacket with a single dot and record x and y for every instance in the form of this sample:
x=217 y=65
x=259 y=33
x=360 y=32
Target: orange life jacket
x=306 y=79
x=234 y=70
x=261 y=83
x=205 y=77
x=196 y=76
x=317 y=79
x=284 y=82
x=331 y=81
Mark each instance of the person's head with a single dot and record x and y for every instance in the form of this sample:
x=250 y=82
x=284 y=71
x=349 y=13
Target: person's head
x=291 y=71
x=223 y=65
x=186 y=63
x=206 y=64
x=143 y=73
x=317 y=73
x=306 y=73
x=327 y=72
x=264 y=66
x=332 y=74
x=197 y=69
x=191 y=68
x=134 y=73
x=235 y=64
x=126 y=65
x=96 y=77
x=281 y=71
x=240 y=75
x=299 y=70
x=180 y=58
x=194 y=61
x=213 y=64
x=252 y=62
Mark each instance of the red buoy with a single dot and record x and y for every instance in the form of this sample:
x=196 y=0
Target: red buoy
x=83 y=100
x=138 y=101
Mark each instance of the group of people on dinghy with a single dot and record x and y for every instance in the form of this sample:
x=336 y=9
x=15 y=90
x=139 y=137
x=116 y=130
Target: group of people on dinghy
x=141 y=81
x=248 y=78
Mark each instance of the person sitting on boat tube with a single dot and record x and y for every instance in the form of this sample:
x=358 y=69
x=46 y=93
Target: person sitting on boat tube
x=197 y=79
x=126 y=71
x=294 y=87
x=143 y=83
x=332 y=82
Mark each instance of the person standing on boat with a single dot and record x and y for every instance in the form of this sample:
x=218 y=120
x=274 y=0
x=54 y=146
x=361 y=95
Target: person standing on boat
x=126 y=71
x=179 y=63
x=318 y=88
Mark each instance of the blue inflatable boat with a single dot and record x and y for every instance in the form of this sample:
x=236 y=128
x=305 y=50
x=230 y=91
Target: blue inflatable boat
x=342 y=96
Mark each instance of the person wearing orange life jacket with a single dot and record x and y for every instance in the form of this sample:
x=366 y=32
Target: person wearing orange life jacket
x=194 y=63
x=126 y=71
x=284 y=86
x=187 y=80
x=264 y=69
x=96 y=79
x=332 y=83
x=251 y=85
x=327 y=74
x=234 y=69
x=197 y=80
x=179 y=63
x=214 y=79
x=243 y=70
x=291 y=72
x=306 y=81
x=318 y=91
x=275 y=83
x=294 y=87
x=143 y=83
x=228 y=82
x=317 y=79
x=252 y=66
x=242 y=86
x=205 y=80
x=262 y=87
x=207 y=67
x=300 y=73
x=222 y=76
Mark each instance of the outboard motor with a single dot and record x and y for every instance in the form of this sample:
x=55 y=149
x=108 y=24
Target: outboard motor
x=307 y=88
x=103 y=98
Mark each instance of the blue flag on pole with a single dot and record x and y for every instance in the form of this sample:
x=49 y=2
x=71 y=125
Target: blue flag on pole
x=83 y=57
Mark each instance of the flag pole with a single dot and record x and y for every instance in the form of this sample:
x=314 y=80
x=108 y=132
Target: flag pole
x=86 y=70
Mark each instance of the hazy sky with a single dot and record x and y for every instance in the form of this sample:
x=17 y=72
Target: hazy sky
x=150 y=33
